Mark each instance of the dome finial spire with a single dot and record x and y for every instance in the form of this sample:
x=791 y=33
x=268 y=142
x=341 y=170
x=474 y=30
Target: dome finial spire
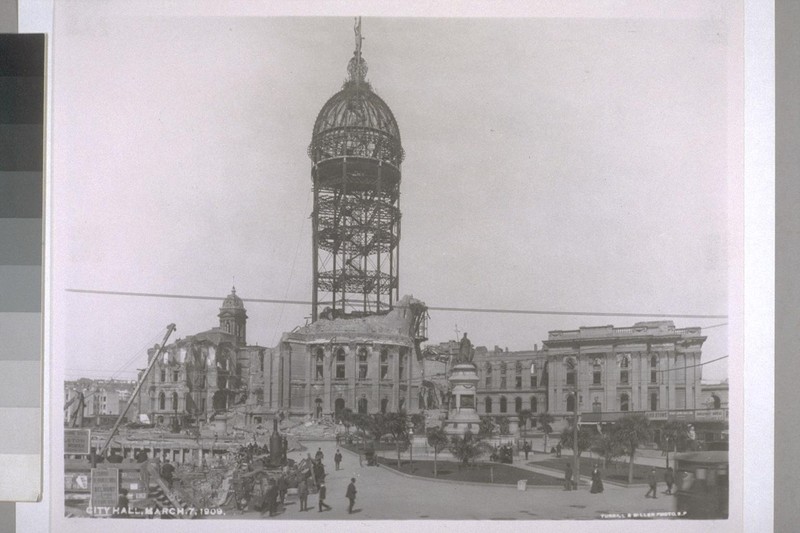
x=357 y=68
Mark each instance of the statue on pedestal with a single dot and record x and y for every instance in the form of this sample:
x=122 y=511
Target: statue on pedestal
x=465 y=351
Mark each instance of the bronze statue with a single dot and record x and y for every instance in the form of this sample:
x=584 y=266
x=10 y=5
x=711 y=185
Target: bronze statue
x=465 y=351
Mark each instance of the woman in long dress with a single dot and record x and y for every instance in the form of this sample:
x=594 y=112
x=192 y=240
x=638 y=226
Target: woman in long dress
x=597 y=482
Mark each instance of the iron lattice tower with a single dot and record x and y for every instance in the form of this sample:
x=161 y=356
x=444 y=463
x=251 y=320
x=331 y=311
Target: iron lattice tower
x=356 y=154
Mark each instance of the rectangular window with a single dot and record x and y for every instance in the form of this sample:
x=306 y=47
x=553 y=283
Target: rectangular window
x=571 y=377
x=488 y=382
x=319 y=370
x=518 y=383
x=596 y=375
x=503 y=382
x=163 y=376
x=362 y=371
x=175 y=376
x=653 y=376
x=623 y=376
x=339 y=370
x=533 y=382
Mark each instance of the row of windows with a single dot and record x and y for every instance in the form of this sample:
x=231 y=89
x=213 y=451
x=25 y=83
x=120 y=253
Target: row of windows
x=488 y=404
x=340 y=368
x=624 y=404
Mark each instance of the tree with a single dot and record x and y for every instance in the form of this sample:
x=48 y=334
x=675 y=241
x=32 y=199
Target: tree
x=545 y=421
x=397 y=426
x=418 y=422
x=346 y=417
x=632 y=431
x=607 y=446
x=674 y=433
x=584 y=443
x=486 y=426
x=438 y=440
x=502 y=424
x=467 y=448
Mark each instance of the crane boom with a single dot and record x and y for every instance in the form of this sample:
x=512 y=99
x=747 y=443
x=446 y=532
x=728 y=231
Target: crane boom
x=135 y=393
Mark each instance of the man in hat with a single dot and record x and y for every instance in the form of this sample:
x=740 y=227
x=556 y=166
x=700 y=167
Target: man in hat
x=653 y=482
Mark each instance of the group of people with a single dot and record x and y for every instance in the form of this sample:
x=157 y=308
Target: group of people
x=276 y=491
x=597 y=481
x=652 y=481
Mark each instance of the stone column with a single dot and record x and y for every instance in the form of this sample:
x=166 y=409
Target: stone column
x=308 y=403
x=351 y=366
x=671 y=356
x=327 y=404
x=374 y=374
x=394 y=354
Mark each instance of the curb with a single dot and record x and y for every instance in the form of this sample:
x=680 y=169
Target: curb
x=588 y=479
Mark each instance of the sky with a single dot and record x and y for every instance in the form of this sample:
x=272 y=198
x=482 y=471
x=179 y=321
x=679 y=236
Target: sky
x=560 y=164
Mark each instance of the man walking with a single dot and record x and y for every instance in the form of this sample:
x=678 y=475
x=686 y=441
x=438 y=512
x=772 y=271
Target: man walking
x=302 y=493
x=322 y=494
x=651 y=480
x=351 y=494
x=669 y=479
x=527 y=449
x=337 y=458
x=319 y=455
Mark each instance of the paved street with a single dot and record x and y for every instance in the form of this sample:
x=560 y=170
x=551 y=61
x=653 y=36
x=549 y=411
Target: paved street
x=383 y=494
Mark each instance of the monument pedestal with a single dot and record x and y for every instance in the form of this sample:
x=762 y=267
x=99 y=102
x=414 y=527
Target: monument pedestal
x=463 y=415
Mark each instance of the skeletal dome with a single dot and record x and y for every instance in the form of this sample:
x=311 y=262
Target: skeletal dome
x=356 y=122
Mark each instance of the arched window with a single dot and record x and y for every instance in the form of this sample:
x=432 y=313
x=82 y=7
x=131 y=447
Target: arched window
x=503 y=404
x=340 y=366
x=488 y=368
x=162 y=401
x=320 y=363
x=174 y=401
x=362 y=406
x=571 y=403
x=624 y=403
x=716 y=400
x=623 y=369
x=487 y=405
x=384 y=405
x=188 y=404
x=534 y=405
x=517 y=404
x=338 y=407
x=363 y=365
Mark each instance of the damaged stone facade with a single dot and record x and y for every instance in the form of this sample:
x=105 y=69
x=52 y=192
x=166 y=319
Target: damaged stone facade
x=201 y=376
x=368 y=364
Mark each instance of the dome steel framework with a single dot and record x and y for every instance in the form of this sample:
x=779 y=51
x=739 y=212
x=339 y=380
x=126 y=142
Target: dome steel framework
x=356 y=153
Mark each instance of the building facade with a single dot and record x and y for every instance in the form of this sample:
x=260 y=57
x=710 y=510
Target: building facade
x=207 y=374
x=650 y=367
x=367 y=364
